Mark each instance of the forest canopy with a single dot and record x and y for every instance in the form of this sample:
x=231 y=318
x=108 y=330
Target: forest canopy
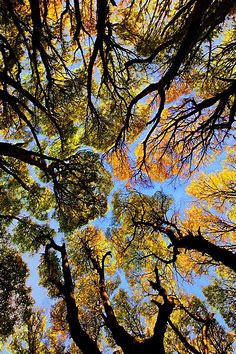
x=104 y=106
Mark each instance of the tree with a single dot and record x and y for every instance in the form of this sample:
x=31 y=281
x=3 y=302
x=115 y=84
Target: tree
x=221 y=296
x=151 y=86
x=16 y=301
x=196 y=41
x=141 y=224
x=146 y=217
x=34 y=338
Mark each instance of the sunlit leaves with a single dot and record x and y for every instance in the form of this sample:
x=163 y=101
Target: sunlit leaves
x=28 y=338
x=215 y=194
x=217 y=190
x=30 y=236
x=51 y=273
x=140 y=247
x=34 y=337
x=81 y=185
x=39 y=201
x=121 y=166
x=129 y=313
x=58 y=319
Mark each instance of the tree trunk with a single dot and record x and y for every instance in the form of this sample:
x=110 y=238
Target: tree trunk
x=80 y=337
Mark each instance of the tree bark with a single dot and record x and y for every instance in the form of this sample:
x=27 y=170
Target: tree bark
x=122 y=338
x=29 y=157
x=200 y=244
x=80 y=337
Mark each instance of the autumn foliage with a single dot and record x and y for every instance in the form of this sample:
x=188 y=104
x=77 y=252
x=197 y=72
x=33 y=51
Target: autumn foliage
x=109 y=111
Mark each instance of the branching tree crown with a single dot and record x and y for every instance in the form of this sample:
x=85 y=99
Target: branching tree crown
x=95 y=92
